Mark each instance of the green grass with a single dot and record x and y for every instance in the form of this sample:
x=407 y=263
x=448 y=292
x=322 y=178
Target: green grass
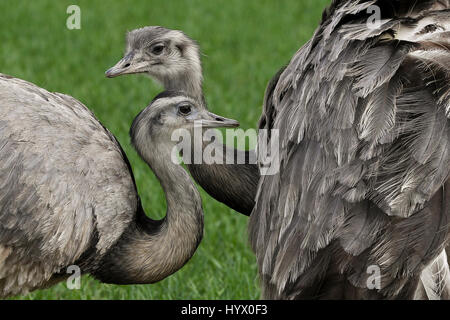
x=244 y=43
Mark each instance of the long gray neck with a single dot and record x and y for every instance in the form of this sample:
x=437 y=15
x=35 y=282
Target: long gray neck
x=190 y=80
x=235 y=184
x=151 y=250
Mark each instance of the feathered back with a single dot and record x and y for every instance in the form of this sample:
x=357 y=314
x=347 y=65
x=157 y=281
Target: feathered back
x=363 y=114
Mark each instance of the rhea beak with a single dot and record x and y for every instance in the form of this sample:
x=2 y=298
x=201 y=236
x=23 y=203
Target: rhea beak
x=124 y=66
x=211 y=120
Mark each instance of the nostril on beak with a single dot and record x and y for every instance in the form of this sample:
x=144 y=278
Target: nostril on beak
x=127 y=65
x=219 y=119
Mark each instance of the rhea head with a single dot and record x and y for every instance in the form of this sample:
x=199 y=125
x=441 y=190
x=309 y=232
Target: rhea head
x=168 y=56
x=152 y=129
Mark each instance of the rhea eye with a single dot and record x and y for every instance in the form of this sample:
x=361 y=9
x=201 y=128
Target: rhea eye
x=157 y=49
x=184 y=109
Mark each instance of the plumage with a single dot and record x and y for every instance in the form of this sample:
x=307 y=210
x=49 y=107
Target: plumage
x=378 y=118
x=364 y=131
x=377 y=66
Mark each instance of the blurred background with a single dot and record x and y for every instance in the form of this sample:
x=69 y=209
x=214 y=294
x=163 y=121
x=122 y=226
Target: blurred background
x=243 y=43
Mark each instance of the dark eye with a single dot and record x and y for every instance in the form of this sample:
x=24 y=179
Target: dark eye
x=157 y=49
x=184 y=109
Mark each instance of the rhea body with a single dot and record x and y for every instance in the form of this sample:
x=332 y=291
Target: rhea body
x=68 y=195
x=363 y=117
x=173 y=59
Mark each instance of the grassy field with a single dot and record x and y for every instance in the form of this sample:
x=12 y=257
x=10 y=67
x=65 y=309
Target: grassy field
x=244 y=42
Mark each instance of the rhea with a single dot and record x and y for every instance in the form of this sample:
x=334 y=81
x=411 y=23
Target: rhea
x=68 y=195
x=173 y=59
x=363 y=189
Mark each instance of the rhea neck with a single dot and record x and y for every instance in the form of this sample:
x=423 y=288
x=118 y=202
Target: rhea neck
x=190 y=80
x=149 y=250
